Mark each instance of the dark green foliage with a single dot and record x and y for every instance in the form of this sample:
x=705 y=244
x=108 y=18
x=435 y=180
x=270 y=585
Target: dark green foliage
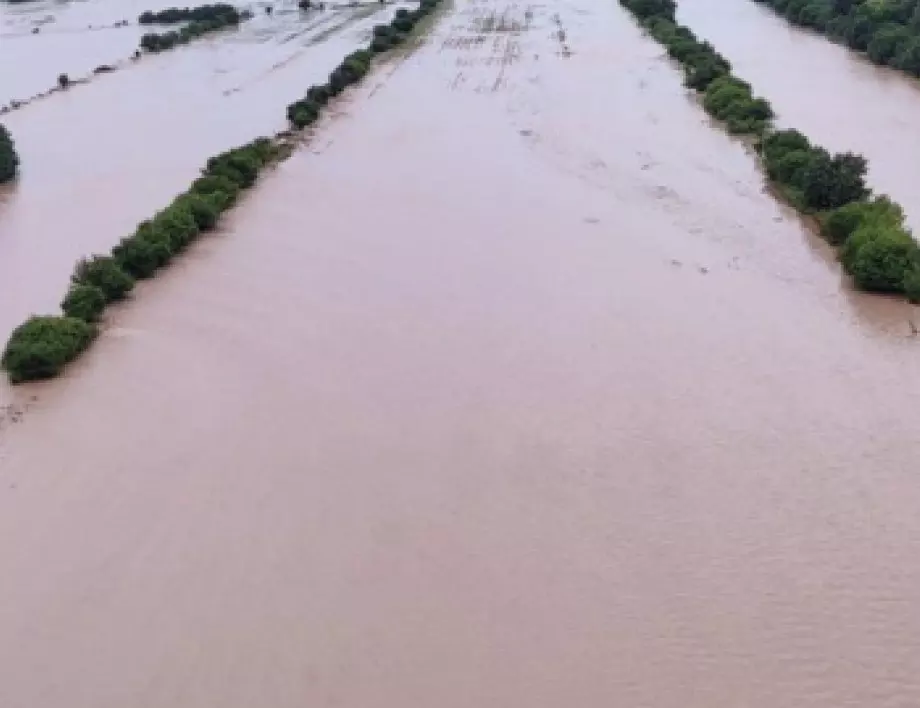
x=85 y=302
x=302 y=113
x=201 y=13
x=41 y=346
x=821 y=180
x=912 y=285
x=644 y=9
x=838 y=225
x=9 y=160
x=105 y=274
x=202 y=19
x=730 y=99
x=203 y=211
x=880 y=258
x=220 y=188
x=139 y=256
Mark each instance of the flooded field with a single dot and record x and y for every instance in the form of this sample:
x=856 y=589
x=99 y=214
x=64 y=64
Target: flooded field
x=513 y=387
x=833 y=95
x=98 y=159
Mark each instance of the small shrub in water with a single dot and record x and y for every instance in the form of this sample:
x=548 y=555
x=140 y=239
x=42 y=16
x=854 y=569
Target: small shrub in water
x=41 y=346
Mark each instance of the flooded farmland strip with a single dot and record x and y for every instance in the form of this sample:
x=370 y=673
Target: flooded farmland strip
x=835 y=97
x=578 y=430
x=97 y=161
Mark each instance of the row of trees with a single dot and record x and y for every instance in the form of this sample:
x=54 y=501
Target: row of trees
x=355 y=66
x=873 y=244
x=41 y=346
x=206 y=18
x=173 y=15
x=888 y=31
x=9 y=160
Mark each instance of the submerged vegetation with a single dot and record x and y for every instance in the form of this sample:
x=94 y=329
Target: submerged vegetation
x=201 y=20
x=43 y=345
x=9 y=160
x=872 y=242
x=887 y=31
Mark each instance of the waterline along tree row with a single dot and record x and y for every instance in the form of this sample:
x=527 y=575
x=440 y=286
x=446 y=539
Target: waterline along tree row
x=872 y=242
x=41 y=346
x=887 y=32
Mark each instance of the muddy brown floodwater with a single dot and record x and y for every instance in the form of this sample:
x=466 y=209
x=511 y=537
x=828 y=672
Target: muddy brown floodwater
x=514 y=388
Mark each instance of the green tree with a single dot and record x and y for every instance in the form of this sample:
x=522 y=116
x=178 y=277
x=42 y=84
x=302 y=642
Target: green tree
x=9 y=160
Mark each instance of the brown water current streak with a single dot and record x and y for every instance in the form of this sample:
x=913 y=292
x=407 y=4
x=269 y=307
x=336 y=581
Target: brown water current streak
x=579 y=428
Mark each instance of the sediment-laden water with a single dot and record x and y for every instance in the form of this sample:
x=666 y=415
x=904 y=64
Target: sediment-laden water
x=513 y=387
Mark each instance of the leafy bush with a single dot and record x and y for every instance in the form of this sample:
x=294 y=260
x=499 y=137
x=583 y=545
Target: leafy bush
x=84 y=302
x=104 y=273
x=139 y=256
x=224 y=191
x=41 y=346
x=880 y=258
x=178 y=224
x=9 y=160
x=839 y=224
x=205 y=212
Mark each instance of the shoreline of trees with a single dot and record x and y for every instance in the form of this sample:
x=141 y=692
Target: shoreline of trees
x=867 y=231
x=887 y=33
x=43 y=345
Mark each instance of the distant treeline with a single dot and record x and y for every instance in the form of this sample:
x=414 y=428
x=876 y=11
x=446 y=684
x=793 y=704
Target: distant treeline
x=868 y=232
x=41 y=346
x=888 y=31
x=9 y=160
x=203 y=19
x=173 y=15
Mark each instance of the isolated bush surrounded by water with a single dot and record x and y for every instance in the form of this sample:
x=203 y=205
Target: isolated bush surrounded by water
x=85 y=302
x=9 y=160
x=41 y=346
x=104 y=273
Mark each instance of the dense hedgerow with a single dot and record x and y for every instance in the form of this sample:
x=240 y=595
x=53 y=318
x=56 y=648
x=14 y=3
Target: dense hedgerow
x=41 y=347
x=172 y=15
x=875 y=247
